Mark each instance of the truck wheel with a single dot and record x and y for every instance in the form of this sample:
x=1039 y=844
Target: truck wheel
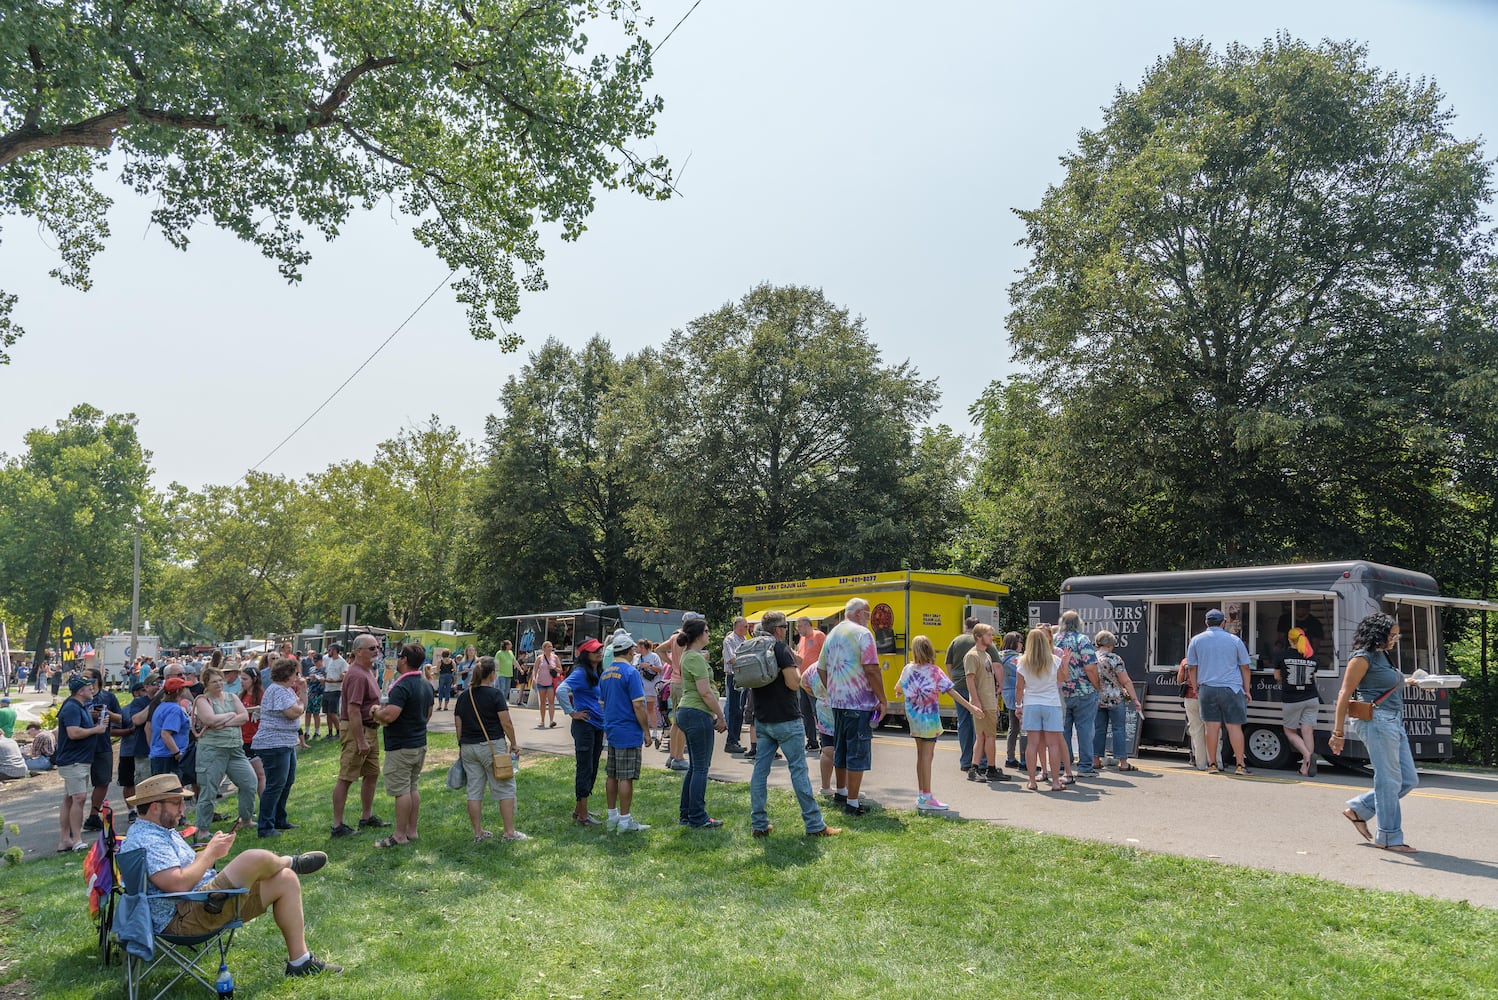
x=1266 y=746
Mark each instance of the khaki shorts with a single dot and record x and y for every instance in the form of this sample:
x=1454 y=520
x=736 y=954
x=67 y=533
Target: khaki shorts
x=353 y=765
x=403 y=769
x=76 y=778
x=191 y=918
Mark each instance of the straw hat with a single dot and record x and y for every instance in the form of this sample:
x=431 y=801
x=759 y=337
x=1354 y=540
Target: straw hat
x=157 y=788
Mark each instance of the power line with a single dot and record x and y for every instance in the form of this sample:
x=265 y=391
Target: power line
x=345 y=382
x=678 y=24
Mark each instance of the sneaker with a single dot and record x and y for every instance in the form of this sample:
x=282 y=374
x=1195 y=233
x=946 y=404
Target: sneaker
x=1243 y=770
x=628 y=824
x=812 y=746
x=611 y=823
x=966 y=768
x=749 y=755
x=372 y=821
x=711 y=824
x=828 y=793
x=858 y=810
x=839 y=799
x=1212 y=769
x=974 y=775
x=995 y=774
x=733 y=748
x=586 y=821
x=678 y=765
x=826 y=831
x=929 y=803
x=766 y=831
x=288 y=826
x=93 y=824
x=517 y=835
x=1011 y=762
x=344 y=830
x=306 y=864
x=312 y=967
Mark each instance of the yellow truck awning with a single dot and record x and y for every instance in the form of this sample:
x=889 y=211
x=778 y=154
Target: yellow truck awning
x=820 y=612
x=759 y=613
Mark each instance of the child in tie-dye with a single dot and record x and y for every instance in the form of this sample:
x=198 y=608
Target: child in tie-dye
x=923 y=683
x=811 y=679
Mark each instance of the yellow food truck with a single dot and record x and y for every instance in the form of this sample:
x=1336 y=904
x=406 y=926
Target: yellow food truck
x=904 y=604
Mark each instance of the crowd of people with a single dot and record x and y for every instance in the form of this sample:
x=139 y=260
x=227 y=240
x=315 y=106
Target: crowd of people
x=189 y=727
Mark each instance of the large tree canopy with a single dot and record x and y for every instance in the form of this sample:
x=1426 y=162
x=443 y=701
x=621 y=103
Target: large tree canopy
x=482 y=119
x=1236 y=313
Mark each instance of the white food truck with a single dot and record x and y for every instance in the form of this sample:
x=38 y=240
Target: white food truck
x=1155 y=615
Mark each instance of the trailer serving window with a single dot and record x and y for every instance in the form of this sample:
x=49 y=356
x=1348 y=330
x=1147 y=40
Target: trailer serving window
x=1259 y=618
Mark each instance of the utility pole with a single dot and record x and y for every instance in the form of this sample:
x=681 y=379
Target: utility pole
x=135 y=603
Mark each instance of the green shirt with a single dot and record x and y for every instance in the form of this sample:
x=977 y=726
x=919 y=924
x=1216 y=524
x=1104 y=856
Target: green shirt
x=504 y=663
x=8 y=722
x=694 y=666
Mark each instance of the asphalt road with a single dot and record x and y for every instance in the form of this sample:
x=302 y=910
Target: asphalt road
x=1271 y=820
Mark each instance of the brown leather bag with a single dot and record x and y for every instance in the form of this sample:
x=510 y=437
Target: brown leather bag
x=1364 y=709
x=500 y=764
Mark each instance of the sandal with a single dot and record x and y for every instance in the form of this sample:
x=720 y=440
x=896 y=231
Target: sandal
x=1057 y=788
x=486 y=835
x=1360 y=824
x=391 y=842
x=1398 y=848
x=1070 y=779
x=1032 y=786
x=1127 y=767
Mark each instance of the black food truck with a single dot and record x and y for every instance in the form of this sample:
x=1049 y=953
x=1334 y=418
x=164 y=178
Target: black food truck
x=1155 y=615
x=565 y=629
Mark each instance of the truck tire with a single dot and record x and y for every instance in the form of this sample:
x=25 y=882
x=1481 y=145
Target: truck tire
x=1266 y=747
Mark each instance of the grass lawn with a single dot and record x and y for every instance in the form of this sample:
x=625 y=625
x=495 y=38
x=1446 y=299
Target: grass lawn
x=900 y=906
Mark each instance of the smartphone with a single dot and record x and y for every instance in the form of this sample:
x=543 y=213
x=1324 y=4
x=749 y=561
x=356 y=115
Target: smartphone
x=235 y=828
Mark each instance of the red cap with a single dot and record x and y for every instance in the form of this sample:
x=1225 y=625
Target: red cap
x=589 y=645
x=175 y=684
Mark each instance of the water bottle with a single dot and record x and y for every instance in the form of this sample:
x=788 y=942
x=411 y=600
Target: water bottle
x=225 y=983
x=515 y=759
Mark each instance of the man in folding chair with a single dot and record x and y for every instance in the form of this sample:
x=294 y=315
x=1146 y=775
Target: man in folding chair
x=273 y=880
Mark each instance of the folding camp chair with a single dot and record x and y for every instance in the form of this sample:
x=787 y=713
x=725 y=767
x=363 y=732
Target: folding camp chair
x=145 y=950
x=104 y=884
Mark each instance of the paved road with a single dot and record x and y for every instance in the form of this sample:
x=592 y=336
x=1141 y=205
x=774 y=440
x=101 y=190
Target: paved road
x=1273 y=820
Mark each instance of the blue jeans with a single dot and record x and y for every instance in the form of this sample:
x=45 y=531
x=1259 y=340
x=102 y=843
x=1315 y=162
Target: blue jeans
x=790 y=739
x=733 y=711
x=587 y=739
x=1393 y=774
x=965 y=734
x=1116 y=716
x=503 y=683
x=444 y=686
x=280 y=774
x=1080 y=716
x=697 y=726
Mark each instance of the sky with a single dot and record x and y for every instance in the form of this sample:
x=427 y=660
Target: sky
x=874 y=150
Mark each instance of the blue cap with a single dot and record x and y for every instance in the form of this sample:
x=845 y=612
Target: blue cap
x=1215 y=615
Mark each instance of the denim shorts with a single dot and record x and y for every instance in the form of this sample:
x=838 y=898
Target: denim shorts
x=1042 y=718
x=1222 y=704
x=852 y=740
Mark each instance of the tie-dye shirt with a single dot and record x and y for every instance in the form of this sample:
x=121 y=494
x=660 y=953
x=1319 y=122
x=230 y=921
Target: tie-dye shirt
x=812 y=678
x=923 y=684
x=848 y=649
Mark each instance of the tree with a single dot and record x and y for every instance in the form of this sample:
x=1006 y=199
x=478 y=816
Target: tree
x=249 y=551
x=782 y=447
x=67 y=513
x=1233 y=310
x=562 y=470
x=481 y=119
x=394 y=531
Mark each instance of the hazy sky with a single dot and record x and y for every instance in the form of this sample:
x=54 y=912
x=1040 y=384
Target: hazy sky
x=874 y=150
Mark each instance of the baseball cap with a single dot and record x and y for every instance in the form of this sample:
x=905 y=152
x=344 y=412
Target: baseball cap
x=621 y=641
x=175 y=684
x=4 y=699
x=692 y=616
x=78 y=682
x=137 y=685
x=1215 y=615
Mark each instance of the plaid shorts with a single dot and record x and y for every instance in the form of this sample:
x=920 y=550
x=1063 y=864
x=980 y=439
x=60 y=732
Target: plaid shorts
x=624 y=763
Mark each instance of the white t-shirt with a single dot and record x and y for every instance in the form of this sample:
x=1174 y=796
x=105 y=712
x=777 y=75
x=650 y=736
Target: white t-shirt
x=333 y=668
x=1042 y=690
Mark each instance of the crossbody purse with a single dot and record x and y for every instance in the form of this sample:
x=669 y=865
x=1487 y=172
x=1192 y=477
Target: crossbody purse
x=1364 y=709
